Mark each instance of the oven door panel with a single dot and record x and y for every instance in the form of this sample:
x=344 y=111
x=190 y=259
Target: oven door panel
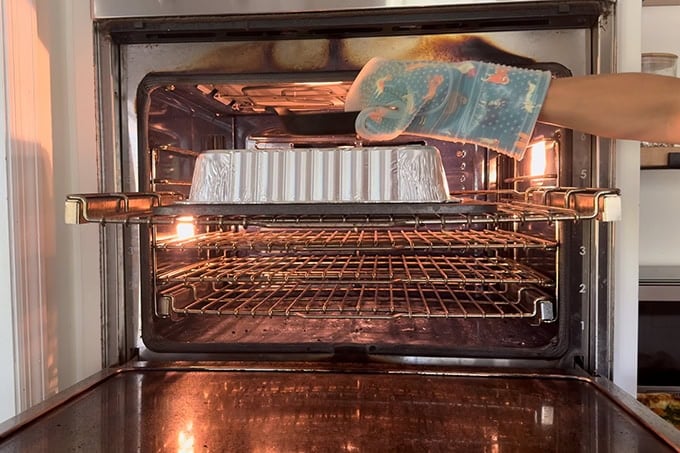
x=290 y=407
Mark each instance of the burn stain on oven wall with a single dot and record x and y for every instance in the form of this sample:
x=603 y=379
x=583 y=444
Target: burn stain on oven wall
x=309 y=56
x=347 y=54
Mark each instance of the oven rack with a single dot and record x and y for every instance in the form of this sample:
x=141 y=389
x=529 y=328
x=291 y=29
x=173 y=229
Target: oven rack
x=347 y=300
x=540 y=204
x=369 y=269
x=352 y=241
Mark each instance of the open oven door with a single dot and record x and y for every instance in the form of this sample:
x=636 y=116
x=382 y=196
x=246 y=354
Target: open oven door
x=337 y=407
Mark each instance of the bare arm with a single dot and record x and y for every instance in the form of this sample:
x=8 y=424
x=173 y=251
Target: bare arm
x=631 y=106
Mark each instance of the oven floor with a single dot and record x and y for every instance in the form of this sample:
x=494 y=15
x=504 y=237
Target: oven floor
x=204 y=410
x=407 y=336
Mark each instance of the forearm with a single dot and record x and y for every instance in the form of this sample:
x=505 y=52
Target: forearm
x=628 y=106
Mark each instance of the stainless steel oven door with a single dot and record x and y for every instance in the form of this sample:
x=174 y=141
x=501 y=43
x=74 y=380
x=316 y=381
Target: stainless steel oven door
x=286 y=407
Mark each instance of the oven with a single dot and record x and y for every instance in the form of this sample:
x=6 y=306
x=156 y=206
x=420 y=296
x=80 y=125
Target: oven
x=342 y=321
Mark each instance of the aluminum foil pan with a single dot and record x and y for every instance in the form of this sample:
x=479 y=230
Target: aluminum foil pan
x=312 y=175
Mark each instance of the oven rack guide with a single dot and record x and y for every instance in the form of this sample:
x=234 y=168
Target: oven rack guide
x=538 y=204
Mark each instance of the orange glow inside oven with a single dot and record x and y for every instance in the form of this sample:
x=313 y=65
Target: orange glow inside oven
x=539 y=165
x=538 y=159
x=185 y=227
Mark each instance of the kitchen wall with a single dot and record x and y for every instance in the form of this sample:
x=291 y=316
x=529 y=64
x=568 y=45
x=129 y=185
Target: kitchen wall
x=49 y=284
x=627 y=230
x=65 y=28
x=7 y=375
x=660 y=189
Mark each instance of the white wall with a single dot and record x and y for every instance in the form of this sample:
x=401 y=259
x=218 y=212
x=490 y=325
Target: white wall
x=28 y=218
x=65 y=27
x=7 y=351
x=50 y=272
x=660 y=189
x=626 y=231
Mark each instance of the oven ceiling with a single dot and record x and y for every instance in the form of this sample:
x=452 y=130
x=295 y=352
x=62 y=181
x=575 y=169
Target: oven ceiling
x=297 y=96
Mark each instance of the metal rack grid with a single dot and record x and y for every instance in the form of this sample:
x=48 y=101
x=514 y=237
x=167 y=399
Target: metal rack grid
x=331 y=269
x=351 y=241
x=356 y=300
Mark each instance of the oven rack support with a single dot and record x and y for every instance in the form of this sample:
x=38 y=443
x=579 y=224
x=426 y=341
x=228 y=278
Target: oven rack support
x=546 y=204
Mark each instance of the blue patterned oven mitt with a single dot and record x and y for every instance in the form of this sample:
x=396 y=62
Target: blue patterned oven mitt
x=492 y=105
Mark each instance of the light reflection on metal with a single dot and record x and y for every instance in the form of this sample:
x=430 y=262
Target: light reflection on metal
x=185 y=439
x=547 y=415
x=494 y=444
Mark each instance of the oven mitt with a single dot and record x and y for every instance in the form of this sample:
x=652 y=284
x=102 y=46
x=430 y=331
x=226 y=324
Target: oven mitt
x=492 y=105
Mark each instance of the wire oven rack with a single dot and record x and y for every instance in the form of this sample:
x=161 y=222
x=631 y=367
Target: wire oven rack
x=368 y=274
x=420 y=262
x=357 y=300
x=370 y=269
x=352 y=241
x=341 y=286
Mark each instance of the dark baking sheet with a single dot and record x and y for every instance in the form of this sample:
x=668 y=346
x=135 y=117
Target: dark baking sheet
x=336 y=410
x=458 y=207
x=317 y=123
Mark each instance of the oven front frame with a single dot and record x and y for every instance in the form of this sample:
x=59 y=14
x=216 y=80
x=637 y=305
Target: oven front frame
x=591 y=162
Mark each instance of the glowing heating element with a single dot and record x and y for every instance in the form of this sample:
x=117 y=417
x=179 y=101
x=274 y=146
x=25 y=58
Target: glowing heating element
x=538 y=159
x=185 y=227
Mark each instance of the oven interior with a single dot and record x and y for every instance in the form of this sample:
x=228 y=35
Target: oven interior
x=315 y=280
x=501 y=272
